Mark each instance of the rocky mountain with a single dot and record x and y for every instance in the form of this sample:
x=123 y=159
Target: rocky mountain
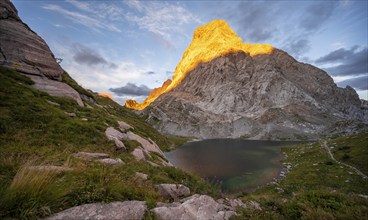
x=262 y=96
x=21 y=49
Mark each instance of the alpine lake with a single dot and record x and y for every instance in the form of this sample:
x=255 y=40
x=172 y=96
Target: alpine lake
x=232 y=165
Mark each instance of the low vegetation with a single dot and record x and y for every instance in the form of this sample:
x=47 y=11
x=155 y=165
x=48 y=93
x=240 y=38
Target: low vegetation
x=35 y=130
x=317 y=187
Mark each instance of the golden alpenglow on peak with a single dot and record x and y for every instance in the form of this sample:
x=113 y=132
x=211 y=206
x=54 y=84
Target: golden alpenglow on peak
x=210 y=41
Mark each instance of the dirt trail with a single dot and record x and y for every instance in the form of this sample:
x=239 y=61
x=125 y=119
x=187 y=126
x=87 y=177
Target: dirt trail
x=324 y=144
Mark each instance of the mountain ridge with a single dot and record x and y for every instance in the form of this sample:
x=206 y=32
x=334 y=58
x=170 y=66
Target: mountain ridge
x=269 y=96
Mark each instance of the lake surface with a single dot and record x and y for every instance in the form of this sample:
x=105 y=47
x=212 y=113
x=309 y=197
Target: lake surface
x=234 y=165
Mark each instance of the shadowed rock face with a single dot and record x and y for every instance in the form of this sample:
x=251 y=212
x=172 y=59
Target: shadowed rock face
x=22 y=49
x=265 y=96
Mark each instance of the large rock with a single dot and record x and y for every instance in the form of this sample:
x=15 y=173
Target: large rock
x=56 y=88
x=172 y=191
x=140 y=154
x=113 y=134
x=147 y=145
x=117 y=210
x=194 y=207
x=22 y=49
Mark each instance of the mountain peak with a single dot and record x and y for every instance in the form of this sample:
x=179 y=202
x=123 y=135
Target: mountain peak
x=210 y=41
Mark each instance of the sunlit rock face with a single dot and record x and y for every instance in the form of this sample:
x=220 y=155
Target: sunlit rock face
x=265 y=96
x=209 y=42
x=22 y=49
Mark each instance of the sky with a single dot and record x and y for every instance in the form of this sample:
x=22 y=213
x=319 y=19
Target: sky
x=131 y=47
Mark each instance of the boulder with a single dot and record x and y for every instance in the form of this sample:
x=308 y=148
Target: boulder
x=119 y=145
x=55 y=88
x=194 y=207
x=123 y=126
x=117 y=210
x=139 y=154
x=148 y=146
x=87 y=155
x=111 y=161
x=173 y=191
x=113 y=134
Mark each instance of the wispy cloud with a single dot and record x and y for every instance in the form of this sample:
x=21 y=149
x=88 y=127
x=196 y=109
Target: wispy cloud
x=161 y=18
x=82 y=19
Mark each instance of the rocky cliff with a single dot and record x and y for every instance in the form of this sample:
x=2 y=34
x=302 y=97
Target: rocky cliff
x=23 y=50
x=266 y=96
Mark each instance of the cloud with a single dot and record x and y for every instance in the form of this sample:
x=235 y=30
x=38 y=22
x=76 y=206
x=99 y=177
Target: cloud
x=337 y=55
x=82 y=19
x=131 y=89
x=254 y=20
x=87 y=56
x=358 y=83
x=161 y=18
x=297 y=46
x=354 y=64
x=316 y=14
x=150 y=72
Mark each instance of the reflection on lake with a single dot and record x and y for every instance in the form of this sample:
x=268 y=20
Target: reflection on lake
x=238 y=165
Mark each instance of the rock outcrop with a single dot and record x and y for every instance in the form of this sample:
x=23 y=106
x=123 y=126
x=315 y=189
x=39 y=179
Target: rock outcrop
x=194 y=207
x=21 y=49
x=133 y=210
x=172 y=191
x=32 y=55
x=269 y=96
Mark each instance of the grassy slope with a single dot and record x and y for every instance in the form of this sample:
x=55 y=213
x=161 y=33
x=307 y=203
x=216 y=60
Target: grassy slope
x=35 y=132
x=316 y=187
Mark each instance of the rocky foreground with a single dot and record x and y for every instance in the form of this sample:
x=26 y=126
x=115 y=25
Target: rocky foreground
x=192 y=207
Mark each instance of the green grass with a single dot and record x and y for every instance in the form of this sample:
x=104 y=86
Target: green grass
x=352 y=150
x=35 y=132
x=315 y=188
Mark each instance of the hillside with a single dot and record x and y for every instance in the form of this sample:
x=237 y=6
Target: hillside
x=39 y=129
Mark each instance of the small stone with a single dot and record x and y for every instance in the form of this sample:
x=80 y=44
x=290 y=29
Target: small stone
x=111 y=161
x=119 y=145
x=84 y=119
x=141 y=175
x=71 y=114
x=53 y=103
x=123 y=126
